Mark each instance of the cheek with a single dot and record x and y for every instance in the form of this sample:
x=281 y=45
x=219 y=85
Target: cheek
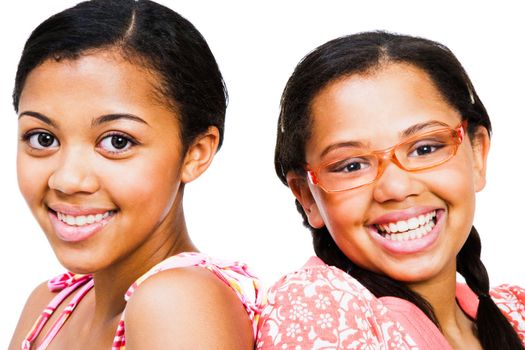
x=146 y=186
x=32 y=176
x=345 y=215
x=344 y=212
x=455 y=183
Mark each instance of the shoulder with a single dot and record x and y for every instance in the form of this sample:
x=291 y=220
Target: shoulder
x=35 y=305
x=190 y=283
x=511 y=301
x=506 y=292
x=318 y=304
x=234 y=274
x=316 y=277
x=189 y=307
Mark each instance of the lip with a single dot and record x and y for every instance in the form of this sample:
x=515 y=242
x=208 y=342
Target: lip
x=412 y=246
x=403 y=215
x=77 y=210
x=74 y=234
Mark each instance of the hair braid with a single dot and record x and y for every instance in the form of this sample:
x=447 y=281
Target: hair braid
x=493 y=330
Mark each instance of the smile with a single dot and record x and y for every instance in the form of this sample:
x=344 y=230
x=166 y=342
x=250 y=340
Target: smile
x=74 y=225
x=82 y=220
x=406 y=230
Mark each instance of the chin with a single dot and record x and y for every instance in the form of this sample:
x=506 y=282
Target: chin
x=414 y=274
x=76 y=263
x=76 y=267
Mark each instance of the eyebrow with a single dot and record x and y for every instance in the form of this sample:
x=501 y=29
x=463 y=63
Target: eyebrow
x=38 y=116
x=116 y=116
x=96 y=122
x=412 y=130
x=353 y=144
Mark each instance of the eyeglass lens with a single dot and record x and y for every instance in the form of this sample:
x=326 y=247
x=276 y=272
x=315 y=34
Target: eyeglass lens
x=353 y=168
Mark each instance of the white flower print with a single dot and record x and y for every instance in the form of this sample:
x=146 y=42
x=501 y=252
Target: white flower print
x=322 y=302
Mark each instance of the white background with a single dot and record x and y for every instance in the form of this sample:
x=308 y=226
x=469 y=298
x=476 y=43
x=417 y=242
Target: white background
x=239 y=209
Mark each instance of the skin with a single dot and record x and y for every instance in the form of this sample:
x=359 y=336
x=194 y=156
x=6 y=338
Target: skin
x=351 y=109
x=83 y=171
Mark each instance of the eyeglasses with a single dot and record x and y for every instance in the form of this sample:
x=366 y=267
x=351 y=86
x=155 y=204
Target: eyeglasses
x=350 y=169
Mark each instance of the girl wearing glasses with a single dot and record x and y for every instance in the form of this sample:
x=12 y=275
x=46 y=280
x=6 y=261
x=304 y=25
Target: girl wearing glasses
x=120 y=104
x=383 y=141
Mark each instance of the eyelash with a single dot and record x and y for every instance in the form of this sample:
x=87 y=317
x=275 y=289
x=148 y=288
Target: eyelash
x=342 y=167
x=131 y=142
x=28 y=135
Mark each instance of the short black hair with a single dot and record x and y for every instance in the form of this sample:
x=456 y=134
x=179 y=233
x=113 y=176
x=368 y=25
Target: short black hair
x=145 y=33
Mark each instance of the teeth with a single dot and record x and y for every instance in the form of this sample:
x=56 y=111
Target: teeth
x=402 y=226
x=413 y=223
x=412 y=234
x=412 y=228
x=70 y=220
x=82 y=220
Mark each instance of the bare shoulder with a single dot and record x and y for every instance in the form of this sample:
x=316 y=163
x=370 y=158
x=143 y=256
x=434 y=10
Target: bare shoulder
x=190 y=308
x=34 y=306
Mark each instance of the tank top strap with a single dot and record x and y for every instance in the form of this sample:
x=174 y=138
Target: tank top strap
x=65 y=285
x=234 y=274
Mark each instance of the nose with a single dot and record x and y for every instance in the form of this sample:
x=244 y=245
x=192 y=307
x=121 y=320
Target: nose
x=74 y=173
x=395 y=184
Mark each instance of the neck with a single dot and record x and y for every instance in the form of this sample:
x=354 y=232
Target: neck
x=441 y=294
x=112 y=282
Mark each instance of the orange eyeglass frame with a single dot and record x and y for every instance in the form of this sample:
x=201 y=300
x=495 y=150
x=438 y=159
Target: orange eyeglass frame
x=388 y=154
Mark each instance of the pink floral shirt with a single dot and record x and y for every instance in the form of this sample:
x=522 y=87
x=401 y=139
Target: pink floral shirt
x=322 y=307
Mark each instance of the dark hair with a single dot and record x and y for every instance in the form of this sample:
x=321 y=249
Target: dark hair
x=361 y=53
x=144 y=33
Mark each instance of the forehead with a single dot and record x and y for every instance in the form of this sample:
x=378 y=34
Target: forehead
x=376 y=107
x=102 y=81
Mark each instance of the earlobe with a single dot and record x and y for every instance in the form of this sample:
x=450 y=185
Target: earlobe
x=480 y=147
x=299 y=186
x=200 y=154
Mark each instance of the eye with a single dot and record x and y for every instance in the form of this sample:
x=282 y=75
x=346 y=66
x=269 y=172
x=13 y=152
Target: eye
x=41 y=140
x=350 y=165
x=425 y=149
x=116 y=143
x=354 y=166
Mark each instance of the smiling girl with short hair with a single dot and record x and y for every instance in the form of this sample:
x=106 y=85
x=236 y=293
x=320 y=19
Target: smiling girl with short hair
x=120 y=104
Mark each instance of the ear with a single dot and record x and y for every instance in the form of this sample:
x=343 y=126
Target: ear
x=299 y=186
x=200 y=154
x=480 y=147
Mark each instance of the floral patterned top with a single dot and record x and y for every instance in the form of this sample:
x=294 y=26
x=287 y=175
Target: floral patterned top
x=322 y=307
x=234 y=274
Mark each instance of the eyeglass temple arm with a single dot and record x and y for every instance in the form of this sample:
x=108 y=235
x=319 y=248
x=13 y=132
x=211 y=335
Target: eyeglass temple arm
x=462 y=130
x=312 y=178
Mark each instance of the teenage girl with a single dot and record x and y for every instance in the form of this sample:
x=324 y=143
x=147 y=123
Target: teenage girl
x=383 y=141
x=120 y=103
